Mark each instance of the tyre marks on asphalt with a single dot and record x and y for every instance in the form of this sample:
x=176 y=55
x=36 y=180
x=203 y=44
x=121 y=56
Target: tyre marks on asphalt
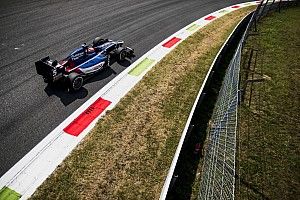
x=41 y=161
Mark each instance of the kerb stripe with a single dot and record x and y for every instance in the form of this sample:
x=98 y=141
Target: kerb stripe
x=171 y=42
x=85 y=118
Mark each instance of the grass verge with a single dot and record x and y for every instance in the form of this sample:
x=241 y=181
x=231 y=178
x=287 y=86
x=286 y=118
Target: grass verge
x=129 y=152
x=270 y=116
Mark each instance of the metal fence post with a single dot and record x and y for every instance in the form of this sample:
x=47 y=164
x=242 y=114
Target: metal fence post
x=279 y=6
x=219 y=167
x=218 y=177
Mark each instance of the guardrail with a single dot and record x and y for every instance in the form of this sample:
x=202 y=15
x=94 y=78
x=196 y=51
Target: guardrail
x=172 y=177
x=218 y=172
x=219 y=168
x=201 y=95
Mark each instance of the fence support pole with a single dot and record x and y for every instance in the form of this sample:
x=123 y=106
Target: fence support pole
x=263 y=9
x=279 y=6
x=272 y=4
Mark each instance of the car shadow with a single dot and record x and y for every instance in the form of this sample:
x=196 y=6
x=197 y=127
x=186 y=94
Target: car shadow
x=125 y=63
x=66 y=97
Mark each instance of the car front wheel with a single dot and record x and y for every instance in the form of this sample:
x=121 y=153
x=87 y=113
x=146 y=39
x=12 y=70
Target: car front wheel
x=121 y=54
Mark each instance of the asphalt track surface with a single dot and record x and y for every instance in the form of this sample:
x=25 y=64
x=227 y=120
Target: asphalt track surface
x=32 y=29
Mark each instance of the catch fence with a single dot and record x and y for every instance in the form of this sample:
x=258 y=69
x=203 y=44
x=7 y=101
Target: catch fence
x=219 y=168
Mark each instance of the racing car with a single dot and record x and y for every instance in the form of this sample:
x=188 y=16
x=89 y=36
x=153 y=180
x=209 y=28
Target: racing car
x=83 y=62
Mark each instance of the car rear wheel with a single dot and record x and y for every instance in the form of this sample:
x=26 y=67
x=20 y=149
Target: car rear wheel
x=75 y=81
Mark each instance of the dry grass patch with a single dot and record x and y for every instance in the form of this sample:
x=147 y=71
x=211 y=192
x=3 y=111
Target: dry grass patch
x=129 y=152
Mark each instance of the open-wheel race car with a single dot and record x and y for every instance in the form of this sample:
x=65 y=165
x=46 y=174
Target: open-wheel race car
x=84 y=61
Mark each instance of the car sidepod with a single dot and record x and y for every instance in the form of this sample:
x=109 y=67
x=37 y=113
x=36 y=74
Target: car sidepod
x=94 y=64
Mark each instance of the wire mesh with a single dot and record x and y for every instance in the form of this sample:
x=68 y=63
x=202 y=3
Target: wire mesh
x=218 y=178
x=219 y=168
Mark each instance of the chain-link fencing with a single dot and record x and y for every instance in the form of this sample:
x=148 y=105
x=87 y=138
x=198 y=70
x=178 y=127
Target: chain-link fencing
x=219 y=168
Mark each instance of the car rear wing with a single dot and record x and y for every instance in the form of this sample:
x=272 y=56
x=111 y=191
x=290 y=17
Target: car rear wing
x=49 y=69
x=42 y=66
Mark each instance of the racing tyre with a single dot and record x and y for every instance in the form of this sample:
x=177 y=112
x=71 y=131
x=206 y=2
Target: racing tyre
x=75 y=81
x=98 y=41
x=121 y=53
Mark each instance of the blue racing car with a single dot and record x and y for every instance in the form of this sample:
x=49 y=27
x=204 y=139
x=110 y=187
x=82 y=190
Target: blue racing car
x=83 y=62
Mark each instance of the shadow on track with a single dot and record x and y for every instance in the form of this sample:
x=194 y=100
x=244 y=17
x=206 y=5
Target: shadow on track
x=61 y=91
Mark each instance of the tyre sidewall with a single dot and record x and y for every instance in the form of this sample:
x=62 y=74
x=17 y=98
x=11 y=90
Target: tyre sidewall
x=120 y=51
x=122 y=55
x=75 y=82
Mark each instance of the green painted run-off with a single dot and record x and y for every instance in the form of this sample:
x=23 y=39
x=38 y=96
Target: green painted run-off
x=193 y=27
x=9 y=194
x=142 y=66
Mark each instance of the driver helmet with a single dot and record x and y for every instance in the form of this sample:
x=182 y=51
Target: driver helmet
x=84 y=47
